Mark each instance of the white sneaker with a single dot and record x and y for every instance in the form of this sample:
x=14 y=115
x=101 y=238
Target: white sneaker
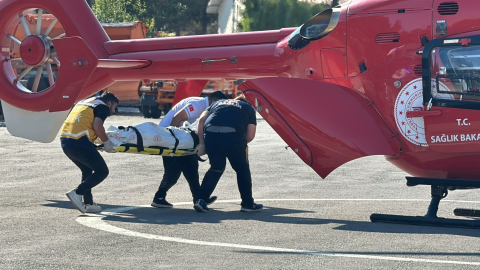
x=76 y=200
x=93 y=208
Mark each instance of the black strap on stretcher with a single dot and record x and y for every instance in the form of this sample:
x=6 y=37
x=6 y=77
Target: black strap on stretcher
x=176 y=140
x=196 y=141
x=194 y=135
x=140 y=147
x=127 y=148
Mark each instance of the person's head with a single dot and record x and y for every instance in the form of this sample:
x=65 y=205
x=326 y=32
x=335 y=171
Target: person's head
x=217 y=95
x=110 y=100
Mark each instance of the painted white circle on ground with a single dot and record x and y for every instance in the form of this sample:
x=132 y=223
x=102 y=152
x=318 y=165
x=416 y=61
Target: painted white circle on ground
x=96 y=221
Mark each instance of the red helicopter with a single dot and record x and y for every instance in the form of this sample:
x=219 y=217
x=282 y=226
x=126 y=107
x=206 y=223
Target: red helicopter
x=369 y=77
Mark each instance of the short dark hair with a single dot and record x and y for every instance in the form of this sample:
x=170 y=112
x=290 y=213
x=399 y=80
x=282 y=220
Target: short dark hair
x=109 y=97
x=217 y=95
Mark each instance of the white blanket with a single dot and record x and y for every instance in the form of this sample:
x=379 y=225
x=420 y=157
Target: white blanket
x=153 y=135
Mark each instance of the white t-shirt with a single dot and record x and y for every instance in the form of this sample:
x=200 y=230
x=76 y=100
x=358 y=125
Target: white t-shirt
x=193 y=106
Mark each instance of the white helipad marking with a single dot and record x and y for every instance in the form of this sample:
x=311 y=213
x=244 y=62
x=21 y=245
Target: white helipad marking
x=96 y=221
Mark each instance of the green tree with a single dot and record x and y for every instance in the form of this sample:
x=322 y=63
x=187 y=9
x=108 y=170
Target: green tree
x=258 y=14
x=179 y=16
x=111 y=11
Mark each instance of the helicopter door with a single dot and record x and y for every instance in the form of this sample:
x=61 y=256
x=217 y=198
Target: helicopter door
x=451 y=92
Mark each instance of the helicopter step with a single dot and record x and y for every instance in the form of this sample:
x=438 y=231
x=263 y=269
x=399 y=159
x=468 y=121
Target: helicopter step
x=439 y=190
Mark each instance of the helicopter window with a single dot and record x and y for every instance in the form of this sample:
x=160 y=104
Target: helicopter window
x=297 y=42
x=316 y=28
x=456 y=73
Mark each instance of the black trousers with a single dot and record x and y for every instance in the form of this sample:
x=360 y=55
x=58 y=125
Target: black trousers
x=220 y=147
x=93 y=167
x=173 y=168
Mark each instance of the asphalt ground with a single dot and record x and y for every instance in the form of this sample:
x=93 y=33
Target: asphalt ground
x=307 y=223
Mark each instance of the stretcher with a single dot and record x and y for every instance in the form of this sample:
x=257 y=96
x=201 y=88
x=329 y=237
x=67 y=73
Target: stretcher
x=152 y=139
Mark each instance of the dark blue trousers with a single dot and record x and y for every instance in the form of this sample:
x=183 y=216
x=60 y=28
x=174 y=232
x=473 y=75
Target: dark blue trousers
x=174 y=167
x=220 y=147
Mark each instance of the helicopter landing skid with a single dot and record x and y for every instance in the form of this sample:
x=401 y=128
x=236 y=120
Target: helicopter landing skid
x=439 y=191
x=466 y=212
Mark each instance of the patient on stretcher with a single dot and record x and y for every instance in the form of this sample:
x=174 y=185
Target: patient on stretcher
x=150 y=138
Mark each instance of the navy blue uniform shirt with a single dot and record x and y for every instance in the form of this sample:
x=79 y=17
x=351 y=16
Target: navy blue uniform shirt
x=231 y=113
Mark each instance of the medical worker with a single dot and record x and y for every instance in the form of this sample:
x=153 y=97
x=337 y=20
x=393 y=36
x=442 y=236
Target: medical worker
x=189 y=110
x=228 y=126
x=83 y=126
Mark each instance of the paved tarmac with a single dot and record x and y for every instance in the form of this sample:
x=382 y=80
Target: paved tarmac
x=307 y=223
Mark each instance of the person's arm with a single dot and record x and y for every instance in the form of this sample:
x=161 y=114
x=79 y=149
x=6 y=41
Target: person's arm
x=201 y=123
x=251 y=130
x=179 y=118
x=99 y=129
x=252 y=124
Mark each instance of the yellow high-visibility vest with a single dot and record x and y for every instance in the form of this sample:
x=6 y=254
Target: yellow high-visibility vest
x=79 y=122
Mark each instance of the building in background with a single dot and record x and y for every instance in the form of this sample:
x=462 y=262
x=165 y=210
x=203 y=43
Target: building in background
x=229 y=14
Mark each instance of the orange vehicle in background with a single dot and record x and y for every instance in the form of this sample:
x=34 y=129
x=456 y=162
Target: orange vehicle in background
x=157 y=96
x=150 y=97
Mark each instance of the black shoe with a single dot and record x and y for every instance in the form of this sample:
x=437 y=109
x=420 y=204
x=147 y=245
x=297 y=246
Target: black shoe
x=211 y=200
x=161 y=203
x=201 y=206
x=254 y=208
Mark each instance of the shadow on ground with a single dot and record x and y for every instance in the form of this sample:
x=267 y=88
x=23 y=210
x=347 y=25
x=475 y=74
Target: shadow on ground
x=224 y=212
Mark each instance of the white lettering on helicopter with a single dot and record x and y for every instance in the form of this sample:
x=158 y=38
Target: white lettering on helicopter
x=455 y=138
x=463 y=123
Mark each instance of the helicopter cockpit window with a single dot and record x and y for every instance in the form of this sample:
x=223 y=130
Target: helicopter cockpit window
x=455 y=73
x=316 y=28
